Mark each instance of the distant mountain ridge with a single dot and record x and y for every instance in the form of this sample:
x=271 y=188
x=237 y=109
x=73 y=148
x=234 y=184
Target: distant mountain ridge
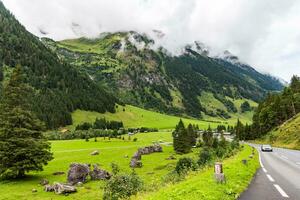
x=127 y=64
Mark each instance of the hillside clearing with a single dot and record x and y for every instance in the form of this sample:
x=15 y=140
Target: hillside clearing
x=134 y=117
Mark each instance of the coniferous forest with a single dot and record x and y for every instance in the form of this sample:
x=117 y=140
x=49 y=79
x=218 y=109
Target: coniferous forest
x=58 y=88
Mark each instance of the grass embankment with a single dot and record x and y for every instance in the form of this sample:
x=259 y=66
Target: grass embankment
x=154 y=167
x=134 y=117
x=287 y=135
x=202 y=185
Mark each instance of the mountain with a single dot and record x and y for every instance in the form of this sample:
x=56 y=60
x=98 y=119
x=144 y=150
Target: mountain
x=129 y=65
x=58 y=87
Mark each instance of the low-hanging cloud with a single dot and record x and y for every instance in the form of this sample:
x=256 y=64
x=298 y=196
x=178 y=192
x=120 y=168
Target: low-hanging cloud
x=265 y=34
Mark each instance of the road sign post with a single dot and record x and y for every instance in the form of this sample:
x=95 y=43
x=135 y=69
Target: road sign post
x=219 y=175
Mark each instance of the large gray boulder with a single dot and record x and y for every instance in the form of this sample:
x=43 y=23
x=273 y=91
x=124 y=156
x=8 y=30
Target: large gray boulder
x=99 y=174
x=137 y=155
x=78 y=173
x=60 y=188
x=134 y=163
x=157 y=148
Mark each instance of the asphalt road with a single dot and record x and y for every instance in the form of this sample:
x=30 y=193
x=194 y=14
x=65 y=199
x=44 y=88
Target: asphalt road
x=278 y=178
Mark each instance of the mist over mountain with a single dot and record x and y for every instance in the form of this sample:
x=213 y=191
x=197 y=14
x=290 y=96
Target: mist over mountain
x=192 y=82
x=248 y=29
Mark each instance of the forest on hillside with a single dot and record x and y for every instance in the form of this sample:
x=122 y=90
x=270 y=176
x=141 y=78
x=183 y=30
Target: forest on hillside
x=59 y=88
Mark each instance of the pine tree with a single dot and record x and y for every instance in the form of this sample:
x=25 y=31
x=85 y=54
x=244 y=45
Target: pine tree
x=22 y=145
x=181 y=140
x=207 y=137
x=192 y=135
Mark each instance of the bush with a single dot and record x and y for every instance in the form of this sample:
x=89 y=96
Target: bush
x=122 y=186
x=173 y=177
x=235 y=144
x=221 y=152
x=134 y=139
x=205 y=157
x=115 y=168
x=184 y=165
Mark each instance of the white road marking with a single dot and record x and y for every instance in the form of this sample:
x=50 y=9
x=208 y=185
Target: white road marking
x=261 y=164
x=285 y=157
x=264 y=169
x=270 y=178
x=281 y=191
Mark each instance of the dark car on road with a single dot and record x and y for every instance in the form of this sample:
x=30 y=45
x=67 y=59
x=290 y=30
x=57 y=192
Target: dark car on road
x=266 y=147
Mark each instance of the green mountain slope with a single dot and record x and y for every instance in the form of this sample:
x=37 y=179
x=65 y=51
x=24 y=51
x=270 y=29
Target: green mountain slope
x=134 y=117
x=59 y=88
x=286 y=135
x=126 y=64
x=277 y=109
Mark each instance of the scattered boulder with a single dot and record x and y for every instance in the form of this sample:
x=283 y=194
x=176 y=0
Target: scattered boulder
x=95 y=153
x=44 y=182
x=134 y=163
x=58 y=173
x=78 y=173
x=251 y=156
x=137 y=155
x=126 y=156
x=99 y=174
x=48 y=188
x=60 y=188
x=150 y=149
x=34 y=190
x=136 y=158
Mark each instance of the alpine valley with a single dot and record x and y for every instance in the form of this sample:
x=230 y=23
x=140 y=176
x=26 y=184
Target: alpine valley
x=191 y=84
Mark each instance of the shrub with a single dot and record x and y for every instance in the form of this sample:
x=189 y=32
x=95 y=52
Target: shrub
x=115 y=168
x=173 y=177
x=221 y=152
x=205 y=157
x=134 y=139
x=122 y=186
x=235 y=144
x=185 y=164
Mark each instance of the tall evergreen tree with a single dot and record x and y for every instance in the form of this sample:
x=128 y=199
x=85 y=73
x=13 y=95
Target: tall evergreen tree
x=22 y=145
x=207 y=137
x=192 y=135
x=181 y=140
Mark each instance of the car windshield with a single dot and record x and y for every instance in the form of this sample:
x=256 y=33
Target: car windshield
x=266 y=146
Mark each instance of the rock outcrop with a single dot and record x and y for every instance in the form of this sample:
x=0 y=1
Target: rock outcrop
x=78 y=173
x=99 y=174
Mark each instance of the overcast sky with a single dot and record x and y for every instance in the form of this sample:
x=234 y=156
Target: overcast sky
x=263 y=33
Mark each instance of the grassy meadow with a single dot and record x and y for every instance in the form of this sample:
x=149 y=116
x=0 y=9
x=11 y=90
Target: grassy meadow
x=155 y=167
x=134 y=117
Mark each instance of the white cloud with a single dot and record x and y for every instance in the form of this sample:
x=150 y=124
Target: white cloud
x=265 y=33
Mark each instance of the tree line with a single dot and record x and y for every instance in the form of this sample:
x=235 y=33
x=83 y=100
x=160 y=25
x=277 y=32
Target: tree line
x=276 y=109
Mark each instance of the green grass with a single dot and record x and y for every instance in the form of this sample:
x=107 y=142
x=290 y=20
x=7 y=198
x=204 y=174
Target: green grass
x=155 y=167
x=287 y=135
x=202 y=185
x=208 y=100
x=66 y=152
x=137 y=117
